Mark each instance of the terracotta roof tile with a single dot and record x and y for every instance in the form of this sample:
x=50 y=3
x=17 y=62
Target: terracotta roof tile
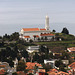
x=43 y=29
x=61 y=72
x=71 y=49
x=52 y=70
x=52 y=73
x=2 y=66
x=31 y=65
x=36 y=35
x=2 y=72
x=72 y=65
x=47 y=34
x=42 y=70
x=31 y=29
x=21 y=73
x=26 y=36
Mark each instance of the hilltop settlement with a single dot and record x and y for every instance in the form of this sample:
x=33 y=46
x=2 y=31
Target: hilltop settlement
x=37 y=51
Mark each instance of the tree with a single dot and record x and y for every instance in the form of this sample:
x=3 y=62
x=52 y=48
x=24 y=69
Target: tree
x=45 y=38
x=30 y=40
x=14 y=73
x=21 y=66
x=34 y=37
x=61 y=68
x=58 y=63
x=51 y=55
x=53 y=31
x=65 y=30
x=36 y=57
x=14 y=36
x=47 y=67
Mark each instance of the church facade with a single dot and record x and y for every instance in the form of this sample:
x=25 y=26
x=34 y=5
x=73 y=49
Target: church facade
x=37 y=34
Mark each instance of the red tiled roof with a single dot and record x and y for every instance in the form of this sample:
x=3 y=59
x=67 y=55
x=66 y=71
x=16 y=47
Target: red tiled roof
x=71 y=49
x=61 y=72
x=71 y=71
x=21 y=73
x=43 y=29
x=26 y=36
x=72 y=65
x=31 y=65
x=1 y=66
x=52 y=73
x=30 y=71
x=46 y=34
x=31 y=29
x=2 y=72
x=42 y=70
x=36 y=35
x=52 y=70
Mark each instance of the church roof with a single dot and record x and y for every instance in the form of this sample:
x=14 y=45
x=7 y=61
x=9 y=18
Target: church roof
x=36 y=35
x=26 y=36
x=43 y=29
x=47 y=34
x=33 y=29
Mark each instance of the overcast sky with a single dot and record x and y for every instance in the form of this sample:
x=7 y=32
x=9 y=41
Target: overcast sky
x=17 y=14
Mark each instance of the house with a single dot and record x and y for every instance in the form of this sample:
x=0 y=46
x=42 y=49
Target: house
x=62 y=73
x=71 y=49
x=31 y=49
x=52 y=71
x=71 y=71
x=4 y=65
x=21 y=73
x=33 y=67
x=71 y=65
x=66 y=62
x=41 y=72
x=50 y=62
x=56 y=72
x=2 y=72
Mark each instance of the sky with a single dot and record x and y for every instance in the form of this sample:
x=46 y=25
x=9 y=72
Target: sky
x=18 y=14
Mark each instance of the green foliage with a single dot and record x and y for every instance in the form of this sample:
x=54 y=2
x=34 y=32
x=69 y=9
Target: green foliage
x=65 y=31
x=44 y=49
x=30 y=41
x=58 y=63
x=21 y=66
x=61 y=68
x=14 y=73
x=14 y=36
x=47 y=67
x=36 y=57
x=65 y=55
x=53 y=31
x=51 y=55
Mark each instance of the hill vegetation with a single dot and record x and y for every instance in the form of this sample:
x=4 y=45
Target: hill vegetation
x=12 y=47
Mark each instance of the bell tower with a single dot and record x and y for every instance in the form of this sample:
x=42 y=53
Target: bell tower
x=47 y=23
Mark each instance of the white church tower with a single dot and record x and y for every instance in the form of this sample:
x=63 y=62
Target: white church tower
x=47 y=23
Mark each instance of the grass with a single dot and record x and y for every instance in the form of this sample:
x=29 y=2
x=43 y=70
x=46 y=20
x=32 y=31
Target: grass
x=58 y=43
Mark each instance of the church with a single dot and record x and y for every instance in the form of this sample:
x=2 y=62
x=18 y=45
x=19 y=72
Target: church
x=36 y=34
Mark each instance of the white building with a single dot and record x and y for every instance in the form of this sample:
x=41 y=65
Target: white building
x=72 y=49
x=36 y=34
x=31 y=49
x=50 y=62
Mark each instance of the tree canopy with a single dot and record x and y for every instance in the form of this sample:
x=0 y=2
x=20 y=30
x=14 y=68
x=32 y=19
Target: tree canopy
x=65 y=30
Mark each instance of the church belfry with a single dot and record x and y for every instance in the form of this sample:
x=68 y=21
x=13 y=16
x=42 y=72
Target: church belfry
x=47 y=23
